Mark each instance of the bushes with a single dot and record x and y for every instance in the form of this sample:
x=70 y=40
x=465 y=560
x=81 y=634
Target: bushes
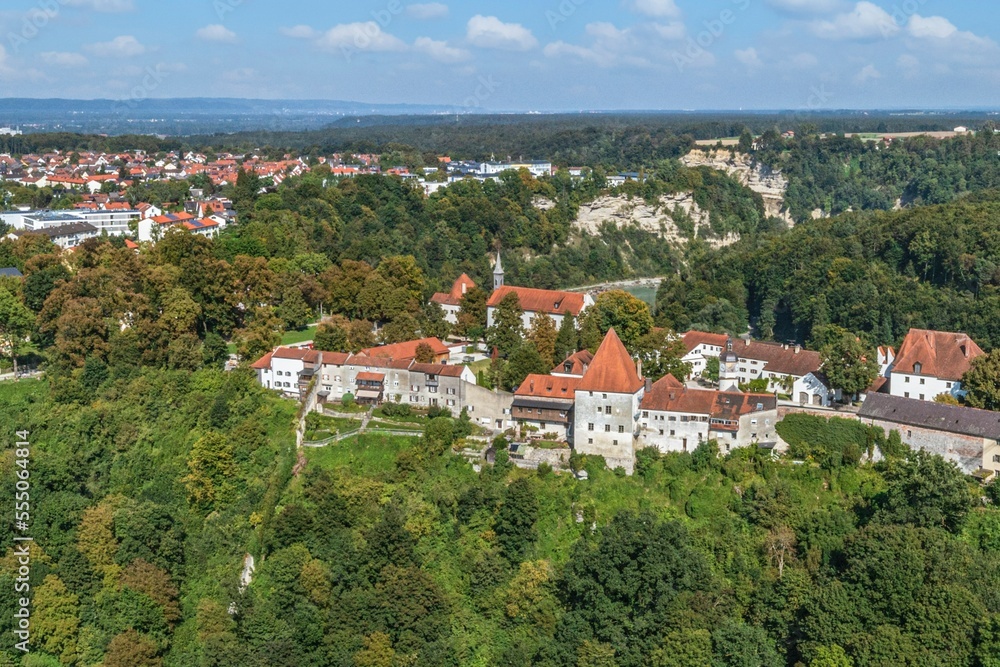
x=833 y=442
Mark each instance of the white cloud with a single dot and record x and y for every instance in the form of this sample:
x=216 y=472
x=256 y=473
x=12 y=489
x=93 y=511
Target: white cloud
x=868 y=73
x=427 y=11
x=366 y=36
x=125 y=46
x=657 y=8
x=807 y=6
x=108 y=6
x=611 y=46
x=299 y=32
x=489 y=32
x=63 y=59
x=670 y=31
x=216 y=33
x=865 y=21
x=440 y=51
x=933 y=26
x=748 y=57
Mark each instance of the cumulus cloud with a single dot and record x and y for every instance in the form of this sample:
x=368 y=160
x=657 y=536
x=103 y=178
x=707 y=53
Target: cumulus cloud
x=610 y=46
x=440 y=51
x=489 y=32
x=125 y=46
x=657 y=8
x=108 y=6
x=866 y=21
x=364 y=36
x=868 y=73
x=670 y=31
x=748 y=57
x=299 y=32
x=216 y=33
x=63 y=59
x=933 y=26
x=427 y=11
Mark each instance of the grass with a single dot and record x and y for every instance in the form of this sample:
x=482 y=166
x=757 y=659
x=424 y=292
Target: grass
x=295 y=337
x=369 y=455
x=481 y=365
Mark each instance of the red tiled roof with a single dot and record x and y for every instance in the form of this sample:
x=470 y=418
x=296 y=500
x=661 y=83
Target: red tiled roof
x=941 y=354
x=290 y=353
x=612 y=370
x=131 y=245
x=670 y=395
x=541 y=300
x=458 y=290
x=693 y=339
x=579 y=363
x=371 y=377
x=407 y=350
x=548 y=386
x=778 y=358
x=263 y=363
x=334 y=358
x=438 y=369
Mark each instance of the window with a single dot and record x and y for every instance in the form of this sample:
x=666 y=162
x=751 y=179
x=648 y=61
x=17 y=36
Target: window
x=615 y=443
x=753 y=422
x=590 y=427
x=922 y=381
x=604 y=395
x=921 y=397
x=661 y=431
x=917 y=367
x=947 y=385
x=906 y=395
x=590 y=441
x=645 y=414
x=607 y=409
x=621 y=429
x=906 y=379
x=673 y=432
x=996 y=458
x=909 y=434
x=673 y=419
x=607 y=428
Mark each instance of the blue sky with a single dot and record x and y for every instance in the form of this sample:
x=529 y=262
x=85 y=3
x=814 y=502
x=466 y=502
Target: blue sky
x=514 y=55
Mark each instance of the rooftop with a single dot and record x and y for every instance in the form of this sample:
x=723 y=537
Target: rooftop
x=930 y=415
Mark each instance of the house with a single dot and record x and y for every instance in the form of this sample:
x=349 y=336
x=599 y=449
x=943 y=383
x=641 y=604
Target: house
x=544 y=403
x=153 y=229
x=676 y=418
x=555 y=304
x=968 y=437
x=606 y=413
x=65 y=236
x=451 y=302
x=931 y=363
x=281 y=369
x=789 y=369
x=10 y=272
x=407 y=351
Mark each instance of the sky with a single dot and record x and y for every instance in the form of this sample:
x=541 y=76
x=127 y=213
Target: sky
x=515 y=55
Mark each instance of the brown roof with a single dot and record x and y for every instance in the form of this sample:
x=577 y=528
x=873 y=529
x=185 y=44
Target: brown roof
x=693 y=339
x=263 y=363
x=438 y=369
x=612 y=370
x=941 y=354
x=334 y=358
x=669 y=395
x=290 y=353
x=778 y=358
x=458 y=290
x=930 y=415
x=407 y=350
x=547 y=386
x=578 y=363
x=371 y=377
x=541 y=300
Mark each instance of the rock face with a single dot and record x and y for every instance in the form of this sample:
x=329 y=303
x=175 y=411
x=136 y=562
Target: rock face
x=760 y=178
x=674 y=217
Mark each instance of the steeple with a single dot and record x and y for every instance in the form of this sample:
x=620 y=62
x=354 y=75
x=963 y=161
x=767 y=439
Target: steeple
x=498 y=273
x=729 y=377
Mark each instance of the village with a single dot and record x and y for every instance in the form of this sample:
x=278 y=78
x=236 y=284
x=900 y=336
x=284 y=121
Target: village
x=601 y=403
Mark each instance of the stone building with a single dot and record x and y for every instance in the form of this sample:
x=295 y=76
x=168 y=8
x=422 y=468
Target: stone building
x=931 y=363
x=544 y=404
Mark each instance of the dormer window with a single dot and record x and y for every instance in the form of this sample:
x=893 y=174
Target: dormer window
x=556 y=307
x=917 y=367
x=568 y=366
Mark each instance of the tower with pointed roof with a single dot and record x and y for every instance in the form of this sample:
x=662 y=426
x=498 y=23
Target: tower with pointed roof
x=729 y=372
x=498 y=273
x=606 y=414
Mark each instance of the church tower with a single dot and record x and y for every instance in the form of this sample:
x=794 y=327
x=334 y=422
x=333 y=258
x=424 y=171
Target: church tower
x=729 y=377
x=498 y=273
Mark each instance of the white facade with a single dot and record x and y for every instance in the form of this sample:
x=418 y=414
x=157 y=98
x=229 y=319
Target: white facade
x=283 y=375
x=923 y=387
x=811 y=390
x=607 y=424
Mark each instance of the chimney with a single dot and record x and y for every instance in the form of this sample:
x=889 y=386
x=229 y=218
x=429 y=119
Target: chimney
x=638 y=367
x=798 y=348
x=463 y=288
x=673 y=395
x=965 y=350
x=532 y=385
x=649 y=384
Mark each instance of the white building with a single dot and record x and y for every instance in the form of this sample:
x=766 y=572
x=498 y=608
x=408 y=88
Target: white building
x=606 y=413
x=557 y=305
x=451 y=302
x=931 y=363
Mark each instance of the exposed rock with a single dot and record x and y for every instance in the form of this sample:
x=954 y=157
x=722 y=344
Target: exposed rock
x=673 y=217
x=760 y=178
x=543 y=203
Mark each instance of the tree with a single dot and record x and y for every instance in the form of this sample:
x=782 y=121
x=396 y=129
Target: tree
x=712 y=369
x=16 y=322
x=746 y=142
x=507 y=331
x=131 y=649
x=215 y=351
x=331 y=335
x=56 y=619
x=982 y=381
x=736 y=644
x=543 y=334
x=568 y=339
x=515 y=524
x=293 y=310
x=524 y=361
x=661 y=352
x=424 y=354
x=432 y=322
x=849 y=364
x=830 y=656
x=924 y=490
x=627 y=314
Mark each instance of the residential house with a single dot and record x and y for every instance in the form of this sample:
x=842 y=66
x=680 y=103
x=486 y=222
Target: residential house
x=544 y=404
x=968 y=437
x=555 y=304
x=407 y=351
x=575 y=365
x=676 y=418
x=451 y=302
x=606 y=413
x=931 y=363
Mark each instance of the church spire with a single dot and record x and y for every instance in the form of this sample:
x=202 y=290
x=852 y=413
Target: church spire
x=498 y=273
